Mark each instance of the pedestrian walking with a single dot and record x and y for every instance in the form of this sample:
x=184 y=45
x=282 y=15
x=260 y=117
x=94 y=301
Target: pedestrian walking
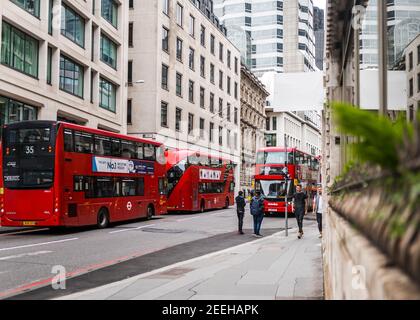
x=299 y=207
x=240 y=210
x=318 y=209
x=257 y=212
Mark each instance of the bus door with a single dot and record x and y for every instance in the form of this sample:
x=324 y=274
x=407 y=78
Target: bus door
x=194 y=187
x=130 y=204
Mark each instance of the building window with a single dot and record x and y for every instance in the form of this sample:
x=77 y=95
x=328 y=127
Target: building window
x=220 y=107
x=191 y=91
x=129 y=111
x=211 y=130
x=212 y=102
x=108 y=51
x=50 y=16
x=165 y=39
x=15 y=111
x=410 y=61
x=32 y=6
x=212 y=44
x=203 y=36
x=131 y=4
x=191 y=59
x=202 y=66
x=190 y=123
x=179 y=49
x=202 y=97
x=411 y=88
x=221 y=51
x=236 y=90
x=164 y=114
x=267 y=124
x=221 y=79
x=165 y=70
x=179 y=84
x=220 y=135
x=228 y=85
x=274 y=123
x=72 y=26
x=165 y=7
x=236 y=65
x=179 y=14
x=236 y=141
x=235 y=116
x=71 y=77
x=228 y=111
x=271 y=140
x=110 y=12
x=418 y=82
x=418 y=55
x=18 y=50
x=107 y=95
x=212 y=73
x=49 y=65
x=192 y=26
x=229 y=59
x=178 y=118
x=228 y=138
x=130 y=72
x=201 y=128
x=130 y=34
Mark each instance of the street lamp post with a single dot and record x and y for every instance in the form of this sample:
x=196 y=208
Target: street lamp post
x=286 y=173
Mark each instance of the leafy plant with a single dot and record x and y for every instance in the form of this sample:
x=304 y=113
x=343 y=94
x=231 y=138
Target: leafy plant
x=379 y=139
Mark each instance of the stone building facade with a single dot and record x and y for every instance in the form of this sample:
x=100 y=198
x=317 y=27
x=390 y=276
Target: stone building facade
x=412 y=58
x=64 y=60
x=253 y=118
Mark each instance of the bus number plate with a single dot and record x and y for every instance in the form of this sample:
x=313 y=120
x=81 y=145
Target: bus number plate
x=272 y=210
x=29 y=223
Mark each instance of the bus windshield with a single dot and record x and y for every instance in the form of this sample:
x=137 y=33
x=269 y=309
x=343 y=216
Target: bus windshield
x=28 y=157
x=274 y=158
x=272 y=188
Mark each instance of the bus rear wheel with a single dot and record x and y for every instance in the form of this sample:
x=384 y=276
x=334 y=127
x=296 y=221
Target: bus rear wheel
x=103 y=219
x=227 y=204
x=150 y=212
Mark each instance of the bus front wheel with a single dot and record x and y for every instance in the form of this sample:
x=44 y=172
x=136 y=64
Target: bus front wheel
x=103 y=218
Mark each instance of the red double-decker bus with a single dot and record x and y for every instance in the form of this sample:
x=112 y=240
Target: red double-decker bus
x=271 y=180
x=61 y=174
x=198 y=182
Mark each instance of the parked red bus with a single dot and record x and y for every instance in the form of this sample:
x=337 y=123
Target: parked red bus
x=61 y=174
x=270 y=180
x=198 y=182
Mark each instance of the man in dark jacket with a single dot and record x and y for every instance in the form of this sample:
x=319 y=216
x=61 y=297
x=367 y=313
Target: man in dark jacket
x=257 y=211
x=299 y=207
x=240 y=210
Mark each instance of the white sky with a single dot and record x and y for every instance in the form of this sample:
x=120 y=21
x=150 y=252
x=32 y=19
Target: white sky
x=320 y=3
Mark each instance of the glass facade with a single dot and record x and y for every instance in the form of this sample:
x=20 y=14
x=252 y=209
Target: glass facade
x=108 y=51
x=15 y=111
x=107 y=95
x=72 y=26
x=18 y=50
x=71 y=77
x=110 y=12
x=32 y=6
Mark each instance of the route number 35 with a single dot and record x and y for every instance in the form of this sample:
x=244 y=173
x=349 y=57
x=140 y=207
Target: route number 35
x=29 y=149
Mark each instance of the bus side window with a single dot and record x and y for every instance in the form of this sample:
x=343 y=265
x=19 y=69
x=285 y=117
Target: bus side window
x=68 y=140
x=140 y=186
x=140 y=153
x=149 y=152
x=102 y=146
x=83 y=142
x=78 y=183
x=116 y=147
x=128 y=149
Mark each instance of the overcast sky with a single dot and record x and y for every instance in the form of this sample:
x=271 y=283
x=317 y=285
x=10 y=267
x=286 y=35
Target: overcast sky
x=320 y=3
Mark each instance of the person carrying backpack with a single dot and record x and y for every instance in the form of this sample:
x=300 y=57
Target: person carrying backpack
x=257 y=212
x=240 y=210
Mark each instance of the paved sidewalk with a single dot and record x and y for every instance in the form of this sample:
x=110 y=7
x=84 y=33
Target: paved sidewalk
x=274 y=267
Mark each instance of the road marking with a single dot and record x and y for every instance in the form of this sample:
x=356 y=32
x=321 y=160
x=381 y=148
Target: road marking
x=163 y=269
x=21 y=232
x=30 y=254
x=38 y=244
x=138 y=228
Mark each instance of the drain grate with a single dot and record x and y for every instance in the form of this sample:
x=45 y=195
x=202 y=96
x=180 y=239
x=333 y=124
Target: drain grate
x=157 y=230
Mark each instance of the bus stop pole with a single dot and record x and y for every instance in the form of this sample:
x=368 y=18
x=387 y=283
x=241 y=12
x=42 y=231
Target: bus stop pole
x=286 y=215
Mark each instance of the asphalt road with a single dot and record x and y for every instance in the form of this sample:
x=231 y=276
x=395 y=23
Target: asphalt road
x=94 y=257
